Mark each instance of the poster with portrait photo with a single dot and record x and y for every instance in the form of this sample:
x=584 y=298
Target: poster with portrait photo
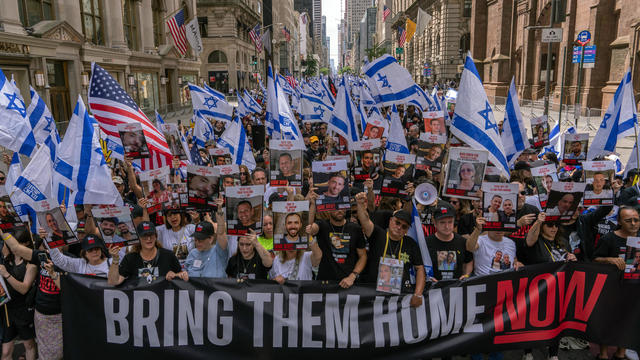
x=10 y=221
x=178 y=197
x=52 y=220
x=563 y=201
x=290 y=219
x=575 y=148
x=202 y=187
x=544 y=176
x=373 y=132
x=366 y=164
x=220 y=156
x=116 y=226
x=285 y=166
x=389 y=275
x=176 y=146
x=447 y=261
x=397 y=172
x=243 y=207
x=598 y=177
x=540 y=131
x=499 y=205
x=430 y=155
x=435 y=131
x=229 y=176
x=133 y=140
x=331 y=179
x=465 y=171
x=154 y=186
x=632 y=259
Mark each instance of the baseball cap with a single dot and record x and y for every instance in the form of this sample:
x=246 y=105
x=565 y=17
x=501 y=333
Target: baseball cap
x=314 y=139
x=92 y=241
x=146 y=228
x=117 y=180
x=443 y=210
x=203 y=230
x=403 y=215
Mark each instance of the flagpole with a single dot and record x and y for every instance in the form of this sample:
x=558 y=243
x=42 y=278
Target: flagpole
x=173 y=13
x=635 y=130
x=445 y=161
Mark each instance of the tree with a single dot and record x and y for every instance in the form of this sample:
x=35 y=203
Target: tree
x=376 y=51
x=312 y=66
x=346 y=69
x=324 y=71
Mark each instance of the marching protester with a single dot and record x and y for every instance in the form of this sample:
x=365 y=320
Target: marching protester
x=251 y=261
x=210 y=255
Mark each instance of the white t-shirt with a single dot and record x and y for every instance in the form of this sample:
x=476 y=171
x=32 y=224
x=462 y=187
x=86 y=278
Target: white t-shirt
x=170 y=238
x=493 y=256
x=305 y=271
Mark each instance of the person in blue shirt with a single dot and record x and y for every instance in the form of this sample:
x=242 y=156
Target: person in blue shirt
x=210 y=256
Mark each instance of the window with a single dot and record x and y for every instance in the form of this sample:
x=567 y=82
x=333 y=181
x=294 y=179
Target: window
x=185 y=96
x=466 y=12
x=157 y=11
x=34 y=11
x=130 y=24
x=216 y=57
x=92 y=21
x=145 y=93
x=203 y=23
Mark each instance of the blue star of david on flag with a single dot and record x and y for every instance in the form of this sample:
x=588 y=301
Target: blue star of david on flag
x=211 y=102
x=13 y=105
x=383 y=79
x=606 y=117
x=485 y=115
x=319 y=110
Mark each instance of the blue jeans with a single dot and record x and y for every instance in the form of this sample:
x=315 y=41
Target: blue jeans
x=492 y=356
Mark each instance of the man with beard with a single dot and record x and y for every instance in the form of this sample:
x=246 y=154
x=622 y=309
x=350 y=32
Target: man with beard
x=344 y=256
x=292 y=227
x=393 y=243
x=368 y=168
x=108 y=227
x=123 y=228
x=575 y=151
x=334 y=188
x=286 y=169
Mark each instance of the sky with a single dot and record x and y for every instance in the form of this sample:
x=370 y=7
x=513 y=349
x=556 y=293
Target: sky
x=330 y=10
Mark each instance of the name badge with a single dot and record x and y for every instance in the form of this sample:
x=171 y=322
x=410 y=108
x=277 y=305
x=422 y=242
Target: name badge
x=197 y=263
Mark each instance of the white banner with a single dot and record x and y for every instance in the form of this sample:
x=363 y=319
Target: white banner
x=193 y=35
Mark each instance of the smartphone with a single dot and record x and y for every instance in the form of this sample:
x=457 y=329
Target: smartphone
x=43 y=257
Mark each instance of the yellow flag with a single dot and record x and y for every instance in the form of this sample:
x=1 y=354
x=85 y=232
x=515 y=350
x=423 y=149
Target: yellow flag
x=411 y=29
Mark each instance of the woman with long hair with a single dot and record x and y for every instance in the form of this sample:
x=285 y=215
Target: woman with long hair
x=176 y=233
x=245 y=175
x=251 y=261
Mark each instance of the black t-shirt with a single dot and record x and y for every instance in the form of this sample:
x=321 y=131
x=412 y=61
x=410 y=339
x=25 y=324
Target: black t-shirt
x=237 y=267
x=448 y=257
x=611 y=245
x=48 y=295
x=467 y=223
x=18 y=272
x=133 y=266
x=339 y=246
x=409 y=252
x=543 y=251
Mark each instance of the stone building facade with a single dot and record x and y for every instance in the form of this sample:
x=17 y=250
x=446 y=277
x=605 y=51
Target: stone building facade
x=50 y=45
x=504 y=44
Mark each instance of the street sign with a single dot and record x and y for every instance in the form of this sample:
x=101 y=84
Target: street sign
x=584 y=37
x=589 y=54
x=551 y=35
x=399 y=50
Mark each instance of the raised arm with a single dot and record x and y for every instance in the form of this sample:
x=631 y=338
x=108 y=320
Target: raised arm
x=472 y=240
x=17 y=248
x=114 y=278
x=221 y=231
x=64 y=262
x=316 y=253
x=20 y=286
x=363 y=216
x=534 y=231
x=265 y=257
x=371 y=196
x=131 y=177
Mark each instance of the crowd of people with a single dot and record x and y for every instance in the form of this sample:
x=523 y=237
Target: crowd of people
x=347 y=246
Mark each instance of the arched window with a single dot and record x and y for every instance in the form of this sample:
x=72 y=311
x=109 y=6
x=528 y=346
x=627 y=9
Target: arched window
x=217 y=56
x=157 y=12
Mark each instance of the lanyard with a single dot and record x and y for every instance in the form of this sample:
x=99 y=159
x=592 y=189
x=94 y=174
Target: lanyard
x=387 y=245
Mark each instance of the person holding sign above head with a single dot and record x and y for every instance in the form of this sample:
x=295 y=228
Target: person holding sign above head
x=210 y=255
x=344 y=256
x=251 y=261
x=393 y=243
x=148 y=260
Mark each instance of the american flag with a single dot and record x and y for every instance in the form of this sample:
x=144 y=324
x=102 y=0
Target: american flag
x=111 y=105
x=286 y=33
x=291 y=80
x=402 y=34
x=178 y=32
x=385 y=13
x=255 y=37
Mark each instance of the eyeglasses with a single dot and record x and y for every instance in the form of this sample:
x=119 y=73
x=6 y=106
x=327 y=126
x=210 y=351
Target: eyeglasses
x=632 y=220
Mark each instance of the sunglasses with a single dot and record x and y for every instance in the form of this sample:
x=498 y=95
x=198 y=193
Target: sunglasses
x=2 y=178
x=551 y=224
x=454 y=202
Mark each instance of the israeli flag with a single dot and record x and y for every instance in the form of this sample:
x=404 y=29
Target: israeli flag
x=422 y=100
x=365 y=95
x=159 y=120
x=326 y=93
x=343 y=118
x=252 y=104
x=555 y=145
x=40 y=118
x=241 y=153
x=13 y=173
x=473 y=120
x=202 y=131
x=242 y=109
x=286 y=87
x=396 y=141
x=271 y=117
x=514 y=134
x=209 y=104
x=287 y=123
x=313 y=109
x=617 y=122
x=389 y=81
x=215 y=93
x=35 y=180
x=80 y=163
x=417 y=234
x=262 y=88
x=15 y=131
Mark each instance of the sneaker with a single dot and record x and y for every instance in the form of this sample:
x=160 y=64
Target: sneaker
x=527 y=356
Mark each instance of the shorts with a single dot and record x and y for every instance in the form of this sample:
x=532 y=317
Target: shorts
x=20 y=325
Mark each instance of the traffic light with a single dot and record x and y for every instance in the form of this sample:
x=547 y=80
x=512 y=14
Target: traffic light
x=254 y=60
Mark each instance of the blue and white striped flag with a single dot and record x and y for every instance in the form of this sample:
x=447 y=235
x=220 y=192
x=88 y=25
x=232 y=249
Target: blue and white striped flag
x=217 y=94
x=396 y=140
x=389 y=81
x=210 y=104
x=514 y=134
x=555 y=145
x=40 y=118
x=202 y=131
x=287 y=123
x=159 y=120
x=15 y=130
x=343 y=118
x=271 y=118
x=617 y=122
x=251 y=103
x=35 y=180
x=473 y=120
x=326 y=93
x=313 y=109
x=417 y=234
x=235 y=139
x=80 y=163
x=13 y=173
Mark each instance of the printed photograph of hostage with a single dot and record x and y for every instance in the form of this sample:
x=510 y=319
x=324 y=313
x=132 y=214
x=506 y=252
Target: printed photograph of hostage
x=575 y=148
x=58 y=231
x=289 y=223
x=286 y=167
x=243 y=206
x=133 y=141
x=332 y=186
x=563 y=201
